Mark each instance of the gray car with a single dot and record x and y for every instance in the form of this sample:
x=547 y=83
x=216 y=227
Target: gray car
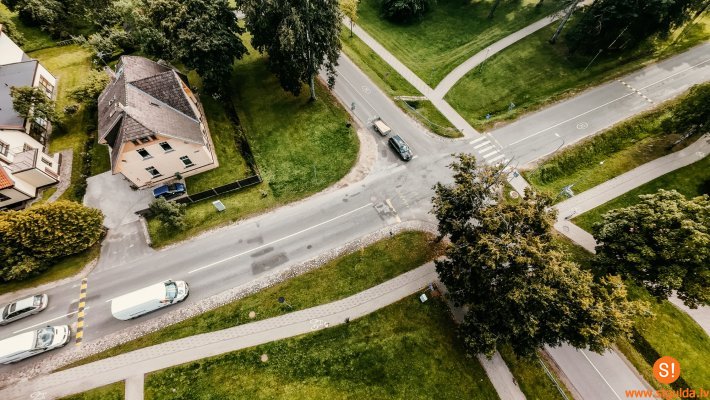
x=23 y=308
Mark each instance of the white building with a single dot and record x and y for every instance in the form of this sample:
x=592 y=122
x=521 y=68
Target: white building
x=24 y=165
x=153 y=124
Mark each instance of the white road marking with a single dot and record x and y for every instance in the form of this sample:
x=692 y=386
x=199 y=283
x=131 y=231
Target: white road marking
x=490 y=154
x=49 y=320
x=481 y=145
x=498 y=157
x=485 y=149
x=600 y=374
x=603 y=105
x=477 y=140
x=281 y=239
x=396 y=216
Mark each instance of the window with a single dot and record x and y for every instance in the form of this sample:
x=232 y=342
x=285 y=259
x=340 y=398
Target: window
x=4 y=148
x=186 y=160
x=153 y=172
x=48 y=87
x=3 y=197
x=145 y=139
x=44 y=160
x=166 y=146
x=144 y=153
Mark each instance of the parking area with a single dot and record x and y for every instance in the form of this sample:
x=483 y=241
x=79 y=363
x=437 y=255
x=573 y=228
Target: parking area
x=113 y=195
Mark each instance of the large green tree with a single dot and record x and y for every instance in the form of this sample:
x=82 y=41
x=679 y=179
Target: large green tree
x=30 y=239
x=300 y=37
x=405 y=11
x=617 y=24
x=663 y=243
x=33 y=104
x=201 y=34
x=518 y=287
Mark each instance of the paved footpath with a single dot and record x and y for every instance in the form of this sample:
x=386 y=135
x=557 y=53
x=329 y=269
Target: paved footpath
x=131 y=366
x=616 y=187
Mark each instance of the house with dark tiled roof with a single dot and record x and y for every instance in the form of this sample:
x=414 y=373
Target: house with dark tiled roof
x=153 y=124
x=24 y=166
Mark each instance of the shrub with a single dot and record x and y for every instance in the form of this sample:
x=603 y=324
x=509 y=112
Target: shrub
x=169 y=213
x=405 y=11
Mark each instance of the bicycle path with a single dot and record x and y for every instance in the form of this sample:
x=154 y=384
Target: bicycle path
x=622 y=184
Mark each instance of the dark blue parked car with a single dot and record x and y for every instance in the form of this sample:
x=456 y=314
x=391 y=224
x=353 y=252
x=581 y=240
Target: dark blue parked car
x=169 y=191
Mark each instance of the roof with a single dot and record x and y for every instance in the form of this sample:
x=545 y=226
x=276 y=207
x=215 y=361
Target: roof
x=12 y=344
x=5 y=180
x=140 y=296
x=25 y=303
x=16 y=74
x=146 y=98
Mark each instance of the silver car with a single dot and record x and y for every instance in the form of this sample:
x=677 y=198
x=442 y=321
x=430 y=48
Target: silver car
x=23 y=308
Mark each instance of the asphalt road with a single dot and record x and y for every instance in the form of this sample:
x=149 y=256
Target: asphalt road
x=562 y=124
x=394 y=191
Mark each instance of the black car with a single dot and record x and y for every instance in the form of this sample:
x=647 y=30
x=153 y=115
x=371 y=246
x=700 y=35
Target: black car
x=400 y=147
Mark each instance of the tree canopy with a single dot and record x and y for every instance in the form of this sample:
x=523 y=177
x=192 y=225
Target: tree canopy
x=663 y=243
x=616 y=24
x=30 y=239
x=201 y=34
x=300 y=37
x=518 y=286
x=32 y=103
x=406 y=11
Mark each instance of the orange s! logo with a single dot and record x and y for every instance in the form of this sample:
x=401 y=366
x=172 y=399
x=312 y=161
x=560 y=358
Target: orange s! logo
x=666 y=370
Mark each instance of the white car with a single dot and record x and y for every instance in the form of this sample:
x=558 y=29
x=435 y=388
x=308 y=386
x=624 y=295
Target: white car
x=31 y=343
x=23 y=308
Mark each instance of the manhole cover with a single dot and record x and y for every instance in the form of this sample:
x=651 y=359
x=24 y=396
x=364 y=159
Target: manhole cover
x=264 y=358
x=252 y=314
x=514 y=194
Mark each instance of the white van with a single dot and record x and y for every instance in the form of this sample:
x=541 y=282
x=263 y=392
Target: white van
x=30 y=343
x=148 y=299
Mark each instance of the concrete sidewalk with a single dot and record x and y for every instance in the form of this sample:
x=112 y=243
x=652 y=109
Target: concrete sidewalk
x=622 y=184
x=131 y=365
x=454 y=76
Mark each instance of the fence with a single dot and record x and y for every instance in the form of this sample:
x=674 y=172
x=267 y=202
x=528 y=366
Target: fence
x=230 y=187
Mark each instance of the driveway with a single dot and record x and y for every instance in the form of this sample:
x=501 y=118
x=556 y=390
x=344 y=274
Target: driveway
x=113 y=195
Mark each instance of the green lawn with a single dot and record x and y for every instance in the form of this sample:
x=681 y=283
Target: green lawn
x=71 y=65
x=531 y=377
x=671 y=332
x=337 y=279
x=114 y=391
x=692 y=180
x=301 y=147
x=232 y=165
x=407 y=350
x=35 y=39
x=63 y=268
x=532 y=73
x=611 y=153
x=393 y=84
x=452 y=32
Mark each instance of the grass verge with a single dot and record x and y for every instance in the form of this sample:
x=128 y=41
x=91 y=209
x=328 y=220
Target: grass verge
x=405 y=350
x=613 y=152
x=64 y=268
x=301 y=147
x=394 y=85
x=530 y=376
x=335 y=280
x=692 y=180
x=232 y=165
x=114 y=391
x=449 y=34
x=532 y=73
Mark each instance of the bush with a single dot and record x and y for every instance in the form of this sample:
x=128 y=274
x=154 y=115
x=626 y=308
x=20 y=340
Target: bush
x=405 y=11
x=30 y=239
x=169 y=213
x=89 y=92
x=9 y=28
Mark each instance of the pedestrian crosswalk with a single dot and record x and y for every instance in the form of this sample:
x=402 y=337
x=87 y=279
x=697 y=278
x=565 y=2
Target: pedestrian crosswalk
x=488 y=151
